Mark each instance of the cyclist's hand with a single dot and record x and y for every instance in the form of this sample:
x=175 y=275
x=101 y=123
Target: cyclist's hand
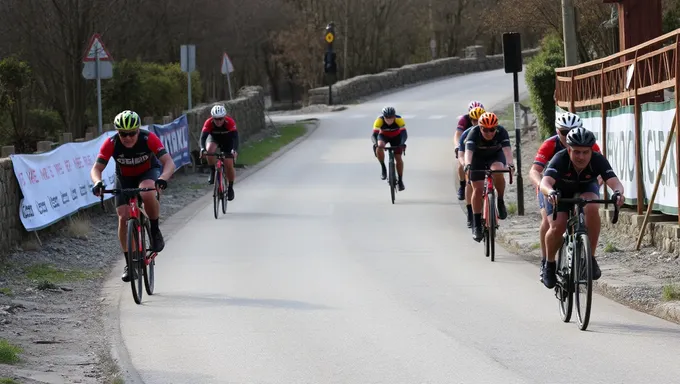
x=620 y=198
x=467 y=168
x=511 y=166
x=456 y=150
x=203 y=152
x=98 y=188
x=552 y=197
x=234 y=153
x=161 y=184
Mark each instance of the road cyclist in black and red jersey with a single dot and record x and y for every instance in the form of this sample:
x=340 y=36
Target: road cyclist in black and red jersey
x=141 y=162
x=575 y=170
x=564 y=123
x=220 y=130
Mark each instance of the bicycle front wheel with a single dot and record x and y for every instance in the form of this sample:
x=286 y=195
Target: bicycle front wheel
x=583 y=280
x=393 y=180
x=491 y=223
x=216 y=193
x=564 y=290
x=223 y=195
x=148 y=268
x=134 y=260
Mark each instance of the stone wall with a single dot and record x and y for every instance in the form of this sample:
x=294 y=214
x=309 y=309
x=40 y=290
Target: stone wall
x=247 y=109
x=350 y=90
x=660 y=232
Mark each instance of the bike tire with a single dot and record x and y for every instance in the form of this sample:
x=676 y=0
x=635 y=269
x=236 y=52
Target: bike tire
x=491 y=223
x=565 y=294
x=216 y=193
x=134 y=269
x=148 y=268
x=485 y=231
x=583 y=264
x=223 y=195
x=392 y=181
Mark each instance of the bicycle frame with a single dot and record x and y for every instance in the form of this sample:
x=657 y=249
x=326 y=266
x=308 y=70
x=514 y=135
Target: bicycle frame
x=219 y=168
x=488 y=187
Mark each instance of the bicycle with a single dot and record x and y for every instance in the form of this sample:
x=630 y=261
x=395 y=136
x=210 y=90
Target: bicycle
x=490 y=211
x=392 y=172
x=220 y=191
x=140 y=259
x=574 y=259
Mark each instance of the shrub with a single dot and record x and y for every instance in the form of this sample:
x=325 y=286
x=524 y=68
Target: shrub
x=540 y=77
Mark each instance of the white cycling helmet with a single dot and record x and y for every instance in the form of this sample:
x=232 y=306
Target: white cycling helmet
x=218 y=111
x=474 y=104
x=568 y=120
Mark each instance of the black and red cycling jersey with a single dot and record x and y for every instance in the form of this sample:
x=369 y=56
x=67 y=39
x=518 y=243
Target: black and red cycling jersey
x=550 y=147
x=464 y=122
x=133 y=161
x=227 y=133
x=569 y=180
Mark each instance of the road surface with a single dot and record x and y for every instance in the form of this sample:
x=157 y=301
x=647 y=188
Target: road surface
x=315 y=277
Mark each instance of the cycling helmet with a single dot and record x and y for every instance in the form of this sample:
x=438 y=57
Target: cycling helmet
x=476 y=112
x=389 y=112
x=218 y=111
x=488 y=120
x=474 y=104
x=127 y=121
x=580 y=137
x=568 y=120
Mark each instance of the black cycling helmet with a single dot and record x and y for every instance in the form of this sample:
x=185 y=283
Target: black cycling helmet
x=389 y=112
x=580 y=137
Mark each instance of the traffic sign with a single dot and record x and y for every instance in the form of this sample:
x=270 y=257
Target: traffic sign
x=227 y=66
x=96 y=48
x=90 y=70
x=188 y=58
x=329 y=37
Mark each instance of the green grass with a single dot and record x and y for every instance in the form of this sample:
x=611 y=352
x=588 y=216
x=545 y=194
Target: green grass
x=6 y=291
x=535 y=246
x=512 y=208
x=253 y=153
x=671 y=292
x=6 y=380
x=8 y=352
x=610 y=247
x=48 y=273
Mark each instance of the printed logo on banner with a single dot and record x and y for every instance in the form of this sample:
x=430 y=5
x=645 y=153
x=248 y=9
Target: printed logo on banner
x=27 y=211
x=175 y=139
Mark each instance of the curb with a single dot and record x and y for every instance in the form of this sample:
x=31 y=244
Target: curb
x=112 y=289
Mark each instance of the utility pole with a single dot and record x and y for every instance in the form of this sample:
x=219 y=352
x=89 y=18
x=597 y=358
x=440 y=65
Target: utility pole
x=569 y=33
x=345 y=65
x=330 y=66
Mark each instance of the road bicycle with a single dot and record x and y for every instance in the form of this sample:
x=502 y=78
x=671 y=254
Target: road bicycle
x=574 y=260
x=490 y=210
x=140 y=258
x=220 y=190
x=392 y=169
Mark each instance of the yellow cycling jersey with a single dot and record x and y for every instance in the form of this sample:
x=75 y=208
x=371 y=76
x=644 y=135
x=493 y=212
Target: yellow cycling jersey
x=389 y=130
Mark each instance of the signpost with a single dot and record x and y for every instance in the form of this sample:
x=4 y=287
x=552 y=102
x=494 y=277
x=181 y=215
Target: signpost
x=188 y=64
x=512 y=59
x=227 y=69
x=330 y=66
x=98 y=65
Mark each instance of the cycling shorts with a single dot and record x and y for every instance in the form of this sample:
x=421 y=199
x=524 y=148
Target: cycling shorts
x=123 y=182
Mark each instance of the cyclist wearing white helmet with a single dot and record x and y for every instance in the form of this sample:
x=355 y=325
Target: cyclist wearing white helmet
x=564 y=123
x=464 y=122
x=220 y=130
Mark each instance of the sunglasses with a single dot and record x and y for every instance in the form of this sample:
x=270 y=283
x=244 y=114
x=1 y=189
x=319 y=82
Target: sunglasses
x=218 y=119
x=489 y=130
x=564 y=132
x=127 y=134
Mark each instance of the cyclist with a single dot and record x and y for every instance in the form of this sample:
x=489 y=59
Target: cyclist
x=389 y=128
x=564 y=123
x=487 y=145
x=474 y=114
x=139 y=156
x=464 y=122
x=220 y=129
x=575 y=170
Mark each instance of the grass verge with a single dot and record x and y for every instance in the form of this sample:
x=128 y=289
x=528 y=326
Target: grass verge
x=671 y=292
x=6 y=380
x=253 y=153
x=9 y=354
x=48 y=273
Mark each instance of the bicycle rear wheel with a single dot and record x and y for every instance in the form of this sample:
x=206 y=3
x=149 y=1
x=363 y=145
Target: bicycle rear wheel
x=583 y=280
x=491 y=223
x=223 y=195
x=392 y=180
x=216 y=193
x=134 y=260
x=564 y=290
x=485 y=231
x=148 y=268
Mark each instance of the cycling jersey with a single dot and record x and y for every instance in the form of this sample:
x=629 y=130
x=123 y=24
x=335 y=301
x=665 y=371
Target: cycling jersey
x=131 y=162
x=487 y=148
x=569 y=181
x=461 y=142
x=550 y=147
x=389 y=131
x=464 y=122
x=225 y=136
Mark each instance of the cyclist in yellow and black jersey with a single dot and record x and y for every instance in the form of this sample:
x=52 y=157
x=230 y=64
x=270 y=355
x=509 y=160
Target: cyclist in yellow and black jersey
x=389 y=128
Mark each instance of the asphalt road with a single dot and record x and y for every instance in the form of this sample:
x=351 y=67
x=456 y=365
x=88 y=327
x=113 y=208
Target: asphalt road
x=315 y=277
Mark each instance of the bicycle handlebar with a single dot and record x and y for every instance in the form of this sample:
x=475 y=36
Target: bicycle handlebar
x=492 y=171
x=583 y=202
x=216 y=154
x=125 y=191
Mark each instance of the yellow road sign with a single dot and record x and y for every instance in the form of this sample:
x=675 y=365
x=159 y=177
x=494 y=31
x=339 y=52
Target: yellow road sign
x=329 y=37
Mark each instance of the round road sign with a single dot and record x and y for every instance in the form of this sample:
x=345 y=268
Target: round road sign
x=329 y=37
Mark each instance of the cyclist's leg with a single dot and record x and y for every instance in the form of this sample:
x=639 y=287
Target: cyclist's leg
x=123 y=211
x=546 y=210
x=553 y=242
x=499 y=164
x=477 y=180
x=593 y=223
x=468 y=199
x=462 y=192
x=380 y=154
x=398 y=158
x=226 y=148
x=152 y=206
x=211 y=147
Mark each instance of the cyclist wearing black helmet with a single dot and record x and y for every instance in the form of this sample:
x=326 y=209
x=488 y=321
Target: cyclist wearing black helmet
x=389 y=128
x=574 y=170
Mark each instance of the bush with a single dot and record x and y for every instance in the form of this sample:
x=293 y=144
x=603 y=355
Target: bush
x=45 y=124
x=540 y=77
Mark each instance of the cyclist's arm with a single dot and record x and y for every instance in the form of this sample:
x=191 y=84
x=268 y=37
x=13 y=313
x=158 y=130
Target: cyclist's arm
x=105 y=153
x=376 y=130
x=471 y=144
x=460 y=128
x=547 y=184
x=543 y=155
x=605 y=171
x=233 y=132
x=156 y=146
x=535 y=174
x=552 y=172
x=205 y=132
